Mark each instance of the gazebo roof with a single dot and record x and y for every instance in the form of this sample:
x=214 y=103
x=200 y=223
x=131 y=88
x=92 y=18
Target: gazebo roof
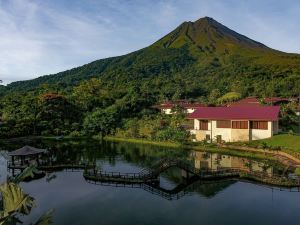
x=26 y=150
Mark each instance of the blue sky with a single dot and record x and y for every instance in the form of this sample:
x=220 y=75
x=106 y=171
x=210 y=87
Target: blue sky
x=39 y=37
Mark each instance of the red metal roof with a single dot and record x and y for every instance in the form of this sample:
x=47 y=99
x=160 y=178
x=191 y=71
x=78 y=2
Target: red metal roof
x=276 y=99
x=250 y=101
x=269 y=113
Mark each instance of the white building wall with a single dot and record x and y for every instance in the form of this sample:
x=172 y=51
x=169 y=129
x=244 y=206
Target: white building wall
x=190 y=110
x=167 y=111
x=257 y=134
x=196 y=124
x=224 y=132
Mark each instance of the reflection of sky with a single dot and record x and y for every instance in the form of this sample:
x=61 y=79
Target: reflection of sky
x=78 y=202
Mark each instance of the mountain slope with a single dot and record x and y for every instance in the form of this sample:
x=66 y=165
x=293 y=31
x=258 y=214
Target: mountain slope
x=199 y=56
x=208 y=32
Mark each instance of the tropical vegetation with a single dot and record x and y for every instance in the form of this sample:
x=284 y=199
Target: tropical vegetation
x=201 y=60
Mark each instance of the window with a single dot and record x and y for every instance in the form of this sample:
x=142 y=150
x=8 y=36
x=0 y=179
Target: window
x=203 y=125
x=260 y=125
x=223 y=124
x=239 y=124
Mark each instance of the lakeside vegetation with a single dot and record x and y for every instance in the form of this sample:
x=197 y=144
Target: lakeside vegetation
x=278 y=142
x=288 y=141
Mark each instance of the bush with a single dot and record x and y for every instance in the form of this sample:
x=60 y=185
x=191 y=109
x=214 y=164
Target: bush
x=297 y=171
x=75 y=134
x=170 y=134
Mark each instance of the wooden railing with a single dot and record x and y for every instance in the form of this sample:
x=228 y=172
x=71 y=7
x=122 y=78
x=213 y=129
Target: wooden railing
x=151 y=175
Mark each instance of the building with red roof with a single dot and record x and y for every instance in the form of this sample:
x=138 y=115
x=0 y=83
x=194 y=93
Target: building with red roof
x=169 y=106
x=239 y=123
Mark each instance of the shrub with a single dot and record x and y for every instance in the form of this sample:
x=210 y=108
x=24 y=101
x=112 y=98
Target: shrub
x=297 y=171
x=75 y=134
x=264 y=145
x=170 y=134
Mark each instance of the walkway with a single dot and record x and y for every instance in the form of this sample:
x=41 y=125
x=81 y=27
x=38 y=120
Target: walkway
x=151 y=175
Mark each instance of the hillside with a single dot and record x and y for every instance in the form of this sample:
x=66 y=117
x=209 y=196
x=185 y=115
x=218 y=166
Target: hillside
x=198 y=57
x=201 y=60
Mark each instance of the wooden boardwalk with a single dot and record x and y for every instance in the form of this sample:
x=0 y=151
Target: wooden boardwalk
x=52 y=167
x=151 y=175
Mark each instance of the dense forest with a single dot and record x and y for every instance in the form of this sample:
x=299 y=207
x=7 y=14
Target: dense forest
x=201 y=60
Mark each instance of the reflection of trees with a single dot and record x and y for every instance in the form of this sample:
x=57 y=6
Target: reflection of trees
x=209 y=190
x=69 y=151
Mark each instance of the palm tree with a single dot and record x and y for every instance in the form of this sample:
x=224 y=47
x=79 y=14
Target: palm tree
x=14 y=200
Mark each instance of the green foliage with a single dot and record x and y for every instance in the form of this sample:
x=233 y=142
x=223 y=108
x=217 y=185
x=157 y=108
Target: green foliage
x=45 y=219
x=214 y=96
x=101 y=121
x=90 y=94
x=171 y=134
x=14 y=200
x=229 y=97
x=28 y=172
x=264 y=145
x=289 y=119
x=36 y=114
x=297 y=171
x=156 y=128
x=203 y=60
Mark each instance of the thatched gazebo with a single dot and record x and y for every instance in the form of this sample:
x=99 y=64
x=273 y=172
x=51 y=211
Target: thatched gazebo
x=26 y=153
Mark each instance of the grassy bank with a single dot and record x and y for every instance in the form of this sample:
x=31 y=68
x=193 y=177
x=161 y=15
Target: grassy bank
x=285 y=141
x=143 y=141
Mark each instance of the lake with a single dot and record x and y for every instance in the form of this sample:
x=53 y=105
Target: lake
x=77 y=201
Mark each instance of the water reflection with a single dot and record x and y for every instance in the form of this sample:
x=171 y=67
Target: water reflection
x=79 y=202
x=215 y=161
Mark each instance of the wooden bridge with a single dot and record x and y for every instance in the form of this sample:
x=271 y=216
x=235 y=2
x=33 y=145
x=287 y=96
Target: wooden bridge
x=154 y=188
x=151 y=175
x=52 y=166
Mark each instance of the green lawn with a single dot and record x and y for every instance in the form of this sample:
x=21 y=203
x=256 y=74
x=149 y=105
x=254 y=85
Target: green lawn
x=283 y=140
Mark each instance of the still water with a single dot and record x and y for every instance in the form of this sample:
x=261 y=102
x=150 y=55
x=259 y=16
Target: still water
x=177 y=201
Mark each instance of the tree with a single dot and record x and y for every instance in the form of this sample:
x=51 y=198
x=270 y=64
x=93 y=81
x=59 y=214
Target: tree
x=91 y=94
x=229 y=97
x=213 y=96
x=56 y=113
x=102 y=121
